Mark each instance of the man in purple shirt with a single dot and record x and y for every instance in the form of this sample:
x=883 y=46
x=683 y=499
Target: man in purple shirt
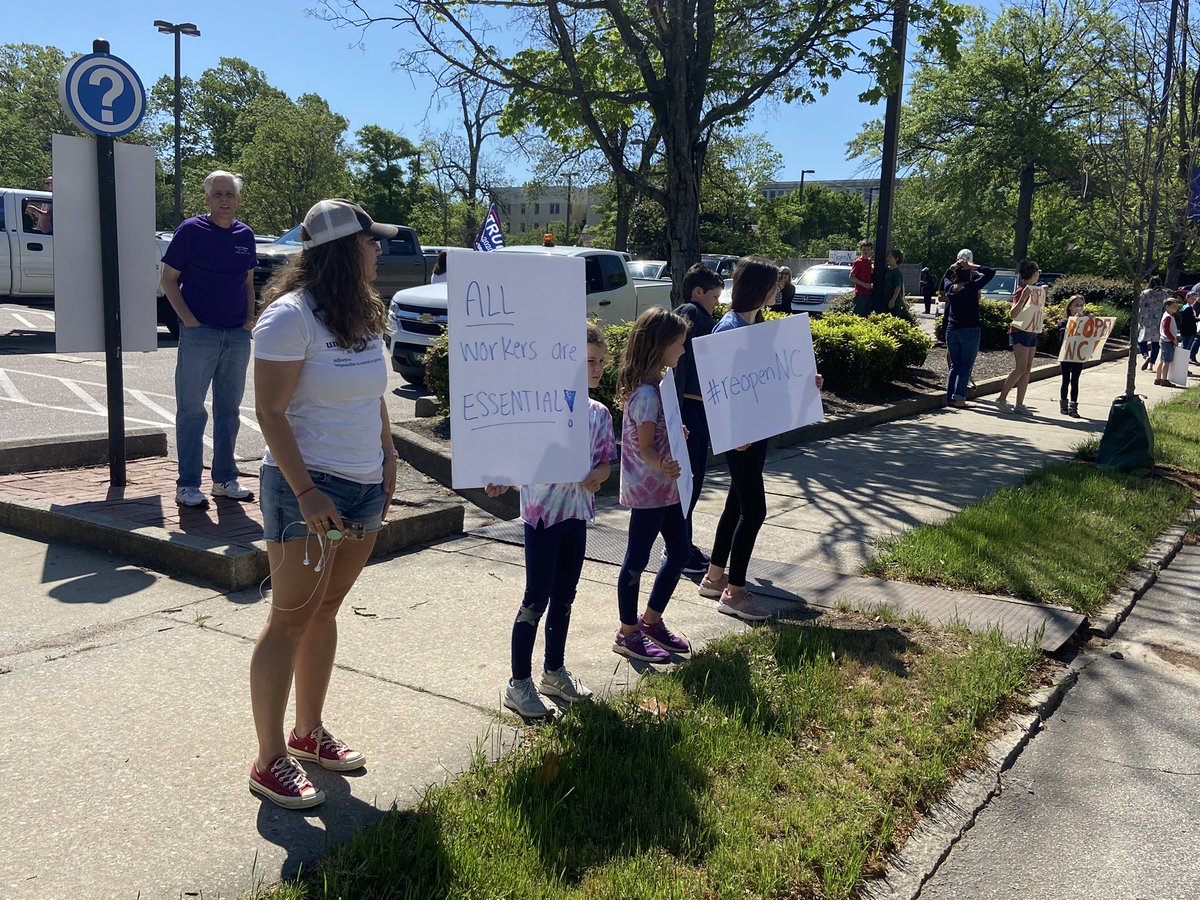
x=208 y=275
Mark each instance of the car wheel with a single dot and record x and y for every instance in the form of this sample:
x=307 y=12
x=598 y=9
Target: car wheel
x=414 y=375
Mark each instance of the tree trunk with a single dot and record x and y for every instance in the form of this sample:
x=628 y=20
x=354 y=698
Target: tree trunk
x=686 y=155
x=621 y=200
x=1024 y=224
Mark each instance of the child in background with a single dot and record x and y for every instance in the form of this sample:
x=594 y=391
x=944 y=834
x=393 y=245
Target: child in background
x=1071 y=370
x=702 y=288
x=1168 y=338
x=746 y=504
x=556 y=517
x=648 y=487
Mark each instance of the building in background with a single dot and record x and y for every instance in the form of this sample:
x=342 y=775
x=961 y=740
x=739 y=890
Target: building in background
x=866 y=188
x=523 y=211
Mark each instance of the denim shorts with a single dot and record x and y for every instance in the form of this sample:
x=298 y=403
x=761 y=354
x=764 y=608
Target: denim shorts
x=1022 y=339
x=355 y=502
x=1168 y=351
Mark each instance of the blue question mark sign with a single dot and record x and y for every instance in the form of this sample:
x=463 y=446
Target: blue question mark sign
x=102 y=94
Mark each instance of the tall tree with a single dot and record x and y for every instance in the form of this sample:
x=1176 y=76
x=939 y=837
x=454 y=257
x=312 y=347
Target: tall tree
x=29 y=112
x=1009 y=111
x=699 y=65
x=296 y=157
x=386 y=173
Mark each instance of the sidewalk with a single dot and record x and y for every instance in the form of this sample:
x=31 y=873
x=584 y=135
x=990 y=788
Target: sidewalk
x=128 y=736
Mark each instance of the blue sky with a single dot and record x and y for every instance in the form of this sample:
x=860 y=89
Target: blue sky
x=301 y=54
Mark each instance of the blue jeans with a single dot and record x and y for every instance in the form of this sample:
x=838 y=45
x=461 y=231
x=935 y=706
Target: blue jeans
x=553 y=561
x=216 y=356
x=282 y=519
x=963 y=344
x=644 y=526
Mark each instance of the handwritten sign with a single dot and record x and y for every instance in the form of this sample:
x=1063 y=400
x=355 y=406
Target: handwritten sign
x=1030 y=316
x=1177 y=371
x=518 y=368
x=674 y=420
x=758 y=381
x=1085 y=338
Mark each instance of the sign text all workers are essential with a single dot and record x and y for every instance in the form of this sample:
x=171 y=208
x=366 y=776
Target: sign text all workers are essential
x=518 y=368
x=758 y=381
x=1084 y=338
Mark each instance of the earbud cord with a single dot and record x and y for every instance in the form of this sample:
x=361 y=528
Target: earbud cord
x=319 y=567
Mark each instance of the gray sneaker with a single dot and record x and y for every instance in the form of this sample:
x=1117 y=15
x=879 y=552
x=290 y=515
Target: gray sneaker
x=740 y=602
x=562 y=684
x=190 y=496
x=523 y=699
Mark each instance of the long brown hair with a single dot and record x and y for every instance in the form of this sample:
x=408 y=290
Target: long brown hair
x=752 y=278
x=642 y=361
x=334 y=276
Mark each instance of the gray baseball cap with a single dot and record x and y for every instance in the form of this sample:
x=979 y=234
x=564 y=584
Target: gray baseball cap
x=331 y=220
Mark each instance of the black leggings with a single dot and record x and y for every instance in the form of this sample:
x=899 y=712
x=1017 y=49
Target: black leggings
x=744 y=513
x=1070 y=379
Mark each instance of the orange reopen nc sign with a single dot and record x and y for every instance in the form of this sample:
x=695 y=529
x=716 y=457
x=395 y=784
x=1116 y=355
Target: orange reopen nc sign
x=1085 y=338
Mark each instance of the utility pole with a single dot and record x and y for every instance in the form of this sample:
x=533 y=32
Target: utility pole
x=891 y=141
x=192 y=31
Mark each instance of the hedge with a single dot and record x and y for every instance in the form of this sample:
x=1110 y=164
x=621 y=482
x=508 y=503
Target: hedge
x=994 y=320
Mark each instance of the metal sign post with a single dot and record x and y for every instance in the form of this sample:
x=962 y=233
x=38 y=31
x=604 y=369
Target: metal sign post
x=103 y=95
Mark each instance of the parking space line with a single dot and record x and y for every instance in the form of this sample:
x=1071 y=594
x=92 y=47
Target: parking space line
x=6 y=384
x=85 y=397
x=86 y=412
x=24 y=321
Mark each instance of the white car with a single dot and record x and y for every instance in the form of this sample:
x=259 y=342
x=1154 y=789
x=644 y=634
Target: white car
x=647 y=268
x=817 y=285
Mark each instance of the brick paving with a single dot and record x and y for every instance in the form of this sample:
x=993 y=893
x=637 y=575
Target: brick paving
x=148 y=499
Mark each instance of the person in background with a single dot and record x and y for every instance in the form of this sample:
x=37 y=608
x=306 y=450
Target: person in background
x=555 y=518
x=1150 y=310
x=1188 y=324
x=1028 y=304
x=702 y=286
x=787 y=290
x=327 y=481
x=208 y=277
x=43 y=216
x=861 y=275
x=1068 y=394
x=962 y=325
x=439 y=269
x=893 y=284
x=927 y=288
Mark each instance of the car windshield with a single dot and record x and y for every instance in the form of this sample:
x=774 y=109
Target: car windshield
x=290 y=237
x=819 y=276
x=1002 y=284
x=644 y=269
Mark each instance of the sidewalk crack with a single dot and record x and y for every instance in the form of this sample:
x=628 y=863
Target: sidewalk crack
x=1125 y=765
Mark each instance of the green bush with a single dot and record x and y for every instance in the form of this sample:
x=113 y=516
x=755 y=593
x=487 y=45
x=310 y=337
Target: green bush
x=914 y=344
x=842 y=303
x=1101 y=291
x=437 y=371
x=853 y=353
x=994 y=319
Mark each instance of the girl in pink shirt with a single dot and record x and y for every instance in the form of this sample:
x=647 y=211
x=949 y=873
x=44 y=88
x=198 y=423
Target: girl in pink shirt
x=648 y=487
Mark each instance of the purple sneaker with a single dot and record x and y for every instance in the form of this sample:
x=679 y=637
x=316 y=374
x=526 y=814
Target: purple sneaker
x=663 y=636
x=635 y=646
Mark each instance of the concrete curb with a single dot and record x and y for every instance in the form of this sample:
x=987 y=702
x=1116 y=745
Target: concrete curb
x=233 y=566
x=76 y=451
x=1135 y=584
x=949 y=819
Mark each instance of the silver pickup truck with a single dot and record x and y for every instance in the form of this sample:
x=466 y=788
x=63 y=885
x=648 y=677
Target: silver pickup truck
x=27 y=250
x=417 y=315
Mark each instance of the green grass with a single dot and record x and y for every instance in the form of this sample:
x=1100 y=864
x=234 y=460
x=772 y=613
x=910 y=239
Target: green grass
x=777 y=763
x=1065 y=535
x=1176 y=425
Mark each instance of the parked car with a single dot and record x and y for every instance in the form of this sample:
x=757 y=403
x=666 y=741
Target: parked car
x=1001 y=288
x=417 y=315
x=817 y=285
x=722 y=264
x=648 y=268
x=402 y=262
x=27 y=255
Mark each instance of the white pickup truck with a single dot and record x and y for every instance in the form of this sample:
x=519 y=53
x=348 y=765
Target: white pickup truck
x=417 y=315
x=27 y=250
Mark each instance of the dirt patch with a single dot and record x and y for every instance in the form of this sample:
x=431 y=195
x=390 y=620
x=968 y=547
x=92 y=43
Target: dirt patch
x=1177 y=657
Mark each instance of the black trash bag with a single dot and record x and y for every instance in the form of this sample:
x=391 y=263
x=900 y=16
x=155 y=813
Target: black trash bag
x=1128 y=441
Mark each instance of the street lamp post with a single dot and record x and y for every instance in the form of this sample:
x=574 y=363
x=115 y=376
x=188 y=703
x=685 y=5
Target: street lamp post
x=570 y=176
x=191 y=30
x=804 y=172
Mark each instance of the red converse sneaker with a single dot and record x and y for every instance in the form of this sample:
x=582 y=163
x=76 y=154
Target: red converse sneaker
x=286 y=783
x=325 y=750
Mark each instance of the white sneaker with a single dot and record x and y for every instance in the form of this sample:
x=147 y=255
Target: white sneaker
x=190 y=496
x=562 y=684
x=522 y=698
x=232 y=490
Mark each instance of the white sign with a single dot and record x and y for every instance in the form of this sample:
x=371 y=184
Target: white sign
x=674 y=420
x=758 y=381
x=78 y=290
x=518 y=368
x=841 y=257
x=1085 y=337
x=1177 y=371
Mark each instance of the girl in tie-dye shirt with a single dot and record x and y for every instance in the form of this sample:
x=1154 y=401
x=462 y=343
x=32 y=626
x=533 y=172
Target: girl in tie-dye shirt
x=556 y=517
x=648 y=487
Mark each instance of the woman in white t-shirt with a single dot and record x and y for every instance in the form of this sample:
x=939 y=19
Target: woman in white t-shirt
x=327 y=480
